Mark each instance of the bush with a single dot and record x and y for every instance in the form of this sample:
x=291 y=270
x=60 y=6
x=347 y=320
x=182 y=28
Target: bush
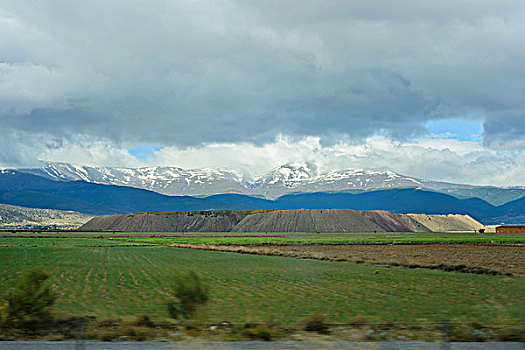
x=316 y=323
x=189 y=292
x=370 y=334
x=264 y=334
x=259 y=333
x=144 y=321
x=107 y=335
x=478 y=335
x=30 y=301
x=138 y=321
x=515 y=333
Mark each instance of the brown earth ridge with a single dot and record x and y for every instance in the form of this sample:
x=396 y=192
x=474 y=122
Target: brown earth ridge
x=301 y=220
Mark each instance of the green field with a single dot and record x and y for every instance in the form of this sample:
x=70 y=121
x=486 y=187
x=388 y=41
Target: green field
x=59 y=242
x=117 y=281
x=106 y=234
x=342 y=239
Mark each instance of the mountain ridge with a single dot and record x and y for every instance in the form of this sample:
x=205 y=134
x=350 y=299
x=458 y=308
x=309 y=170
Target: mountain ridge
x=29 y=190
x=282 y=180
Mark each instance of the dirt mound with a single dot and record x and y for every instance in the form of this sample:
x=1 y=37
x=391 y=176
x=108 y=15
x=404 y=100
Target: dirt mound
x=388 y=221
x=415 y=225
x=307 y=220
x=303 y=220
x=167 y=222
x=445 y=223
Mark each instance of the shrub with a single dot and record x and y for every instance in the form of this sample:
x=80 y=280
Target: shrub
x=138 y=321
x=264 y=334
x=515 y=333
x=316 y=323
x=478 y=335
x=189 y=292
x=144 y=321
x=260 y=333
x=370 y=334
x=30 y=301
x=107 y=335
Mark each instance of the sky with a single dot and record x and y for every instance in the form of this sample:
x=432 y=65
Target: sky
x=431 y=89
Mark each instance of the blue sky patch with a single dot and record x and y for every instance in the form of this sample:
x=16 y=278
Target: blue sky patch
x=460 y=129
x=145 y=152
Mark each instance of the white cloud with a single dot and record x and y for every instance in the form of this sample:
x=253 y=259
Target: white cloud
x=93 y=153
x=431 y=158
x=20 y=149
x=428 y=158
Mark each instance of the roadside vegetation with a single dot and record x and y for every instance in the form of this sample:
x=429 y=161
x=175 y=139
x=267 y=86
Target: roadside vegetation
x=189 y=293
x=29 y=302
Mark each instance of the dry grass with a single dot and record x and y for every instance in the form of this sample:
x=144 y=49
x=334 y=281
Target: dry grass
x=504 y=258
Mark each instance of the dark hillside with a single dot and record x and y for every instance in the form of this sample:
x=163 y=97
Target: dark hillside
x=509 y=213
x=394 y=200
x=37 y=192
x=42 y=200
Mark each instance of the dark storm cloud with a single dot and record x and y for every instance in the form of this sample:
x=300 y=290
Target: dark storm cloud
x=185 y=73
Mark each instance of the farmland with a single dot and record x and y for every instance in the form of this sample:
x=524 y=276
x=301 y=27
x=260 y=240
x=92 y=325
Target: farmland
x=325 y=239
x=502 y=253
x=113 y=281
x=347 y=277
x=110 y=234
x=61 y=242
x=504 y=258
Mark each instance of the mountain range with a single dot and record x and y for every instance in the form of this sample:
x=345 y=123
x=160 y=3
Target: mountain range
x=282 y=180
x=25 y=189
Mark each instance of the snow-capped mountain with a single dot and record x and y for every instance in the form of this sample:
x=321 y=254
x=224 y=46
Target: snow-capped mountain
x=200 y=182
x=166 y=180
x=307 y=178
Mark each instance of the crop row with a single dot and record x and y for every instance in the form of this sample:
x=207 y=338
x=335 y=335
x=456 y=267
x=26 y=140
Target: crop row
x=57 y=242
x=118 y=281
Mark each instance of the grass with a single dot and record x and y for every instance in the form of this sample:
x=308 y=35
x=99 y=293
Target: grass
x=59 y=242
x=322 y=239
x=108 y=234
x=120 y=281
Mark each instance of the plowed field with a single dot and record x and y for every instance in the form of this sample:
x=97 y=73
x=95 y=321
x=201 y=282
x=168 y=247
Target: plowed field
x=497 y=257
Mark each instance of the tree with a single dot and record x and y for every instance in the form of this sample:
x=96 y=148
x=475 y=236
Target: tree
x=189 y=292
x=30 y=301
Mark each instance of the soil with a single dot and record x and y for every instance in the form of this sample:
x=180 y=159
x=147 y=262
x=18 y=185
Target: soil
x=308 y=220
x=441 y=223
x=502 y=258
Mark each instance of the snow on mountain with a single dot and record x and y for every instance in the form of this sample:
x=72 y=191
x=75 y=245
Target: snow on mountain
x=306 y=177
x=167 y=180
